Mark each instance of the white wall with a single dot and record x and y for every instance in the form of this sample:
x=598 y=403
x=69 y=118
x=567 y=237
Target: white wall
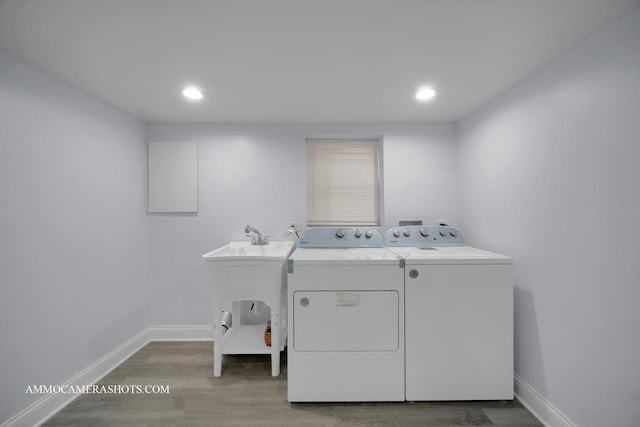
x=73 y=247
x=255 y=174
x=549 y=174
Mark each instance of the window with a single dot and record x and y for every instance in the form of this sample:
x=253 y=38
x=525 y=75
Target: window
x=342 y=182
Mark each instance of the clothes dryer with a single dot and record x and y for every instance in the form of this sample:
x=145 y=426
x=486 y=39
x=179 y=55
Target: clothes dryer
x=346 y=318
x=458 y=316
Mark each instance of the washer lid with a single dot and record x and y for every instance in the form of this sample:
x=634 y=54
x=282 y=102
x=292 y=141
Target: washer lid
x=344 y=256
x=449 y=255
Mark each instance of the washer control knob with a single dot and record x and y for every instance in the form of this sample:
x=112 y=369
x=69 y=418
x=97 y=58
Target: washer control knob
x=358 y=233
x=340 y=233
x=413 y=273
x=424 y=232
x=406 y=232
x=368 y=234
x=396 y=233
x=443 y=232
x=453 y=232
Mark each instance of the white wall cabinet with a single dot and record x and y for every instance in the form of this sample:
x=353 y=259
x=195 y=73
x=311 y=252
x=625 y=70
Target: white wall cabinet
x=172 y=176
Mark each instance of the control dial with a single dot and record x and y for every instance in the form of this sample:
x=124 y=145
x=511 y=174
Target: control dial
x=443 y=232
x=396 y=233
x=424 y=232
x=358 y=233
x=368 y=234
x=340 y=233
x=406 y=232
x=453 y=232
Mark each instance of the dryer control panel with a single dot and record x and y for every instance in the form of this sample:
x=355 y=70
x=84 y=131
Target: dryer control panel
x=423 y=235
x=341 y=237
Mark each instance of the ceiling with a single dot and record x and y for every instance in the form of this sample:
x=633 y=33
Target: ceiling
x=297 y=60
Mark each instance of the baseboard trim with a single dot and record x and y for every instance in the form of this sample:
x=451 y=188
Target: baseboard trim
x=181 y=333
x=44 y=408
x=540 y=407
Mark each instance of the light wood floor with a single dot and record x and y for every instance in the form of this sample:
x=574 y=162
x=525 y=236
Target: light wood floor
x=246 y=395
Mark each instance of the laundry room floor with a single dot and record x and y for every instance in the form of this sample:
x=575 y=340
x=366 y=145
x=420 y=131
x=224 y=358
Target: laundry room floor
x=247 y=395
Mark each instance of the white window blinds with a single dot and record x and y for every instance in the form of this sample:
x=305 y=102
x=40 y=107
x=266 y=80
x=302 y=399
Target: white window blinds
x=342 y=182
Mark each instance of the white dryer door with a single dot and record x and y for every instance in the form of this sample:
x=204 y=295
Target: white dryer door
x=345 y=321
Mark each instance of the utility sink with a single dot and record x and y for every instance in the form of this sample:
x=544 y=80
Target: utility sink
x=276 y=250
x=241 y=271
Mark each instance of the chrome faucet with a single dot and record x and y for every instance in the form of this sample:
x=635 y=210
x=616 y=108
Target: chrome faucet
x=257 y=239
x=293 y=231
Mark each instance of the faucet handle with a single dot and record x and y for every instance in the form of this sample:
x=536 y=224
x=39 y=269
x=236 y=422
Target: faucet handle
x=265 y=239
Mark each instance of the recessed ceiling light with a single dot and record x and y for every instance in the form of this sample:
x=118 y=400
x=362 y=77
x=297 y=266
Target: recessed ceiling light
x=425 y=93
x=192 y=92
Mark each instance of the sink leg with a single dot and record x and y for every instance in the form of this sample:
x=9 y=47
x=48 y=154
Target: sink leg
x=275 y=343
x=217 y=345
x=217 y=362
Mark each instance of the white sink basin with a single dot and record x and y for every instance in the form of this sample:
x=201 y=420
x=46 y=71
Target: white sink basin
x=245 y=251
x=241 y=271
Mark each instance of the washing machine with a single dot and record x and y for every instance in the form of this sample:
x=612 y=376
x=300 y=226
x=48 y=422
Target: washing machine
x=346 y=318
x=458 y=316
